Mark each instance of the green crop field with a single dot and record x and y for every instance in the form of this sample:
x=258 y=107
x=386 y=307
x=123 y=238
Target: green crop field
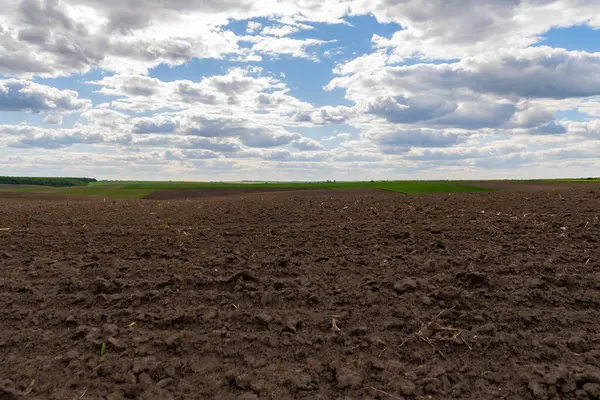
x=395 y=186
x=141 y=189
x=133 y=189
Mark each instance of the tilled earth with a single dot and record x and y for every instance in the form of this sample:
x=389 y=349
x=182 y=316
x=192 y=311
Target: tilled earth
x=360 y=296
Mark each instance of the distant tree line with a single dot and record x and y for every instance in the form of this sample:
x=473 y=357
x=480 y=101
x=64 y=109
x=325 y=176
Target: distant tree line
x=41 y=181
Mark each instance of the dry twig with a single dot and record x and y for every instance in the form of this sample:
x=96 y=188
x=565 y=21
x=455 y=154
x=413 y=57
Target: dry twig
x=386 y=393
x=403 y=342
x=334 y=326
x=382 y=351
x=467 y=344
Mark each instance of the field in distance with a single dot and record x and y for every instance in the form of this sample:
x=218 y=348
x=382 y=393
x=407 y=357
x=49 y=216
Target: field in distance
x=139 y=189
x=182 y=189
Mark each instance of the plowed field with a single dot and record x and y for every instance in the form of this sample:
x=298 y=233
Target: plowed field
x=290 y=296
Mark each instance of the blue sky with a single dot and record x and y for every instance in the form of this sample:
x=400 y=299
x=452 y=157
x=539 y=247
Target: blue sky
x=300 y=90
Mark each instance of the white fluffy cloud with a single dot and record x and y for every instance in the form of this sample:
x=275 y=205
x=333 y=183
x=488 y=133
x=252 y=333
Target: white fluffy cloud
x=459 y=29
x=531 y=73
x=238 y=91
x=61 y=37
x=20 y=95
x=306 y=144
x=518 y=91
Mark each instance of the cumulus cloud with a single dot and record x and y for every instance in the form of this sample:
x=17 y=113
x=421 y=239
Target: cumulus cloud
x=280 y=30
x=239 y=90
x=106 y=118
x=158 y=124
x=21 y=95
x=190 y=154
x=549 y=128
x=342 y=155
x=276 y=46
x=60 y=37
x=253 y=26
x=282 y=155
x=540 y=72
x=337 y=136
x=464 y=28
x=54 y=119
x=401 y=109
x=503 y=89
x=186 y=142
x=463 y=152
x=29 y=136
x=306 y=144
x=261 y=137
x=401 y=141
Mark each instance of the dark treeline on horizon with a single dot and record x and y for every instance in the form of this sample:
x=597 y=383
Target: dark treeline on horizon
x=44 y=181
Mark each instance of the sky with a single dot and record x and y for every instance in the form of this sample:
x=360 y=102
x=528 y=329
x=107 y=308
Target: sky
x=300 y=89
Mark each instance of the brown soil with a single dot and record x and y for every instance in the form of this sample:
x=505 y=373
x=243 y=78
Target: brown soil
x=29 y=196
x=519 y=186
x=174 y=194
x=468 y=296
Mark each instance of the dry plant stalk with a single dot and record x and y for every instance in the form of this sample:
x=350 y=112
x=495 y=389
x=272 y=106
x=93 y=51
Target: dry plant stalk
x=385 y=393
x=334 y=326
